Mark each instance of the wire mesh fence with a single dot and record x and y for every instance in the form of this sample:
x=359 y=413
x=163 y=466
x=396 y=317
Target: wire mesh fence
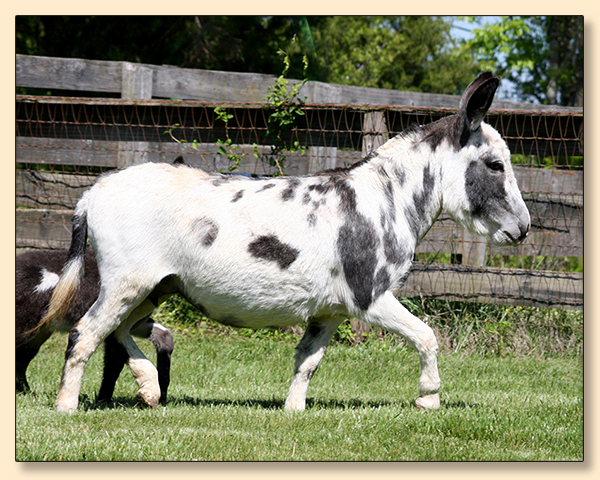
x=64 y=143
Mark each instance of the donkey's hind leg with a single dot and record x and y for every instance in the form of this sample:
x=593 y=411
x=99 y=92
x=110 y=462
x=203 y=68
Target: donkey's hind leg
x=115 y=358
x=309 y=353
x=111 y=309
x=389 y=313
x=145 y=373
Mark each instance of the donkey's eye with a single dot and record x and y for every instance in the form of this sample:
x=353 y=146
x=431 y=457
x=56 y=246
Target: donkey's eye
x=495 y=165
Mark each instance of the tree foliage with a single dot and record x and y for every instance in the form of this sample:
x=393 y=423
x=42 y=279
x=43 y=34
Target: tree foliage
x=397 y=52
x=408 y=53
x=541 y=55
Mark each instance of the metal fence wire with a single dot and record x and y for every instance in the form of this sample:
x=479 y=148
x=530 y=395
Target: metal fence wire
x=64 y=143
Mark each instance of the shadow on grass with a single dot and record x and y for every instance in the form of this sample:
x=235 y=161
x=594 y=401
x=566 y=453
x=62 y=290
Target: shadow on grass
x=459 y=405
x=90 y=403
x=267 y=404
x=87 y=403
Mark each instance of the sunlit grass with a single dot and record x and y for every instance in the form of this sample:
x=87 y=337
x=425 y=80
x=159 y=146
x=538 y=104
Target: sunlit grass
x=226 y=403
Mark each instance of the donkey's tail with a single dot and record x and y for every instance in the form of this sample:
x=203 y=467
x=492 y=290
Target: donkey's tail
x=67 y=287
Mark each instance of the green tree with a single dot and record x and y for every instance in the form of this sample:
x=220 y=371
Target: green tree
x=408 y=53
x=541 y=55
x=146 y=39
x=398 y=52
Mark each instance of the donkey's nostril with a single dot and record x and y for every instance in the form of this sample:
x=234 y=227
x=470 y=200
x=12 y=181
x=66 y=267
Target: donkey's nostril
x=524 y=234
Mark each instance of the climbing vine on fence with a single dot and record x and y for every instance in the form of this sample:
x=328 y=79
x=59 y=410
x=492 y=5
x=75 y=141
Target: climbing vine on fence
x=284 y=104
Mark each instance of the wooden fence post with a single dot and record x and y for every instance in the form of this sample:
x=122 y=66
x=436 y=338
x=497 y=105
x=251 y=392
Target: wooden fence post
x=375 y=132
x=136 y=81
x=132 y=153
x=474 y=249
x=136 y=84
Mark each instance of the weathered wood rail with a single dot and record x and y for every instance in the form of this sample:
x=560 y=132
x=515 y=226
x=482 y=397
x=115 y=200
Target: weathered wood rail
x=340 y=125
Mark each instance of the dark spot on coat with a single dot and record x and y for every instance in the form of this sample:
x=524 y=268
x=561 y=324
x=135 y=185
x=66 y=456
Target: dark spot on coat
x=265 y=187
x=381 y=283
x=346 y=193
x=357 y=247
x=423 y=199
x=321 y=188
x=392 y=249
x=485 y=191
x=400 y=174
x=416 y=214
x=389 y=197
x=74 y=335
x=206 y=229
x=239 y=194
x=315 y=193
x=370 y=156
x=311 y=219
x=290 y=191
x=269 y=247
x=435 y=135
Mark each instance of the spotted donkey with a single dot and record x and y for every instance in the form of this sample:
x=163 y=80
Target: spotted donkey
x=36 y=275
x=281 y=251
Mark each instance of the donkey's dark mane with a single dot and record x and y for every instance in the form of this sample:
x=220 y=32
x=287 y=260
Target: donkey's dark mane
x=450 y=128
x=431 y=133
x=349 y=168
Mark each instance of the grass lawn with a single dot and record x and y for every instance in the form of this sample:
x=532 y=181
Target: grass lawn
x=227 y=394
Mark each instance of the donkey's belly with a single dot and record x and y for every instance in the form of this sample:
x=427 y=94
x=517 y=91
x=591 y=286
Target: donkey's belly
x=241 y=312
x=258 y=306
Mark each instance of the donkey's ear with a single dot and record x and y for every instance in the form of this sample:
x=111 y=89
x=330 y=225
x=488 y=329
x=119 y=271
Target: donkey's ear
x=477 y=98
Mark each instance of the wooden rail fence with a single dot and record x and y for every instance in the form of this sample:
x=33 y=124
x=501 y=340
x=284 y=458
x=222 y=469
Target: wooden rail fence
x=62 y=143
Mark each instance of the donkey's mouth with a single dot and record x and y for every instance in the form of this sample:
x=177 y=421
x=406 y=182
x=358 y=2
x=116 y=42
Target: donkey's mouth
x=506 y=237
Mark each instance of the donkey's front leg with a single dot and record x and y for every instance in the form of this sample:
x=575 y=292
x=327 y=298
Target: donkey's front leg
x=144 y=372
x=309 y=353
x=389 y=313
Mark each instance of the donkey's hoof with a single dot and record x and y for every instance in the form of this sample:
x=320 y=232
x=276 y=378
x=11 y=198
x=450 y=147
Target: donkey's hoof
x=65 y=408
x=65 y=403
x=147 y=398
x=292 y=405
x=428 y=402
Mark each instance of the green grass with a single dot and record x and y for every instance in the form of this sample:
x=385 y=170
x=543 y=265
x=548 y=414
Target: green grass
x=227 y=394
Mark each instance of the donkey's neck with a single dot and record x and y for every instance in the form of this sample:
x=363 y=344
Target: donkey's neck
x=407 y=175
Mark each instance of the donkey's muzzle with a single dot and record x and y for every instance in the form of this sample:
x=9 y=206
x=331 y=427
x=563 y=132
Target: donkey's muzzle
x=524 y=234
x=519 y=234
x=514 y=231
